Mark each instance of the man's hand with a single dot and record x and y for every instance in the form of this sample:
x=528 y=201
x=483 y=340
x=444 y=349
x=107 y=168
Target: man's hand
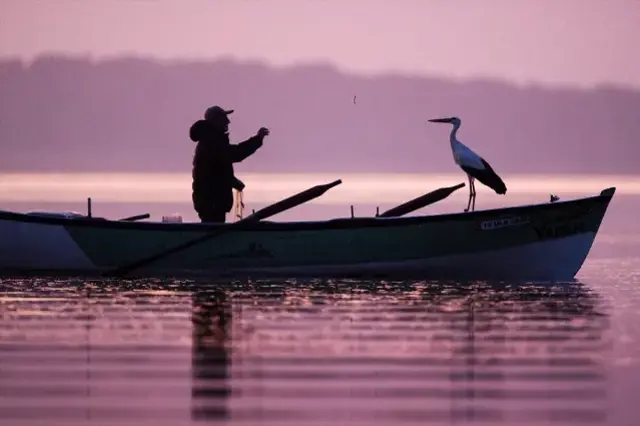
x=237 y=184
x=263 y=132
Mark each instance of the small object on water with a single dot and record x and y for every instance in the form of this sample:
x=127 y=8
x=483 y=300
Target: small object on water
x=553 y=198
x=172 y=218
x=89 y=207
x=351 y=211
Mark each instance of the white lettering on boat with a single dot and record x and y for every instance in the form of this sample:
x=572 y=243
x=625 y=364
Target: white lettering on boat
x=560 y=230
x=503 y=222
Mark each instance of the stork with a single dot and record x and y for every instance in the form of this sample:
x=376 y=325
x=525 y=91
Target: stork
x=472 y=164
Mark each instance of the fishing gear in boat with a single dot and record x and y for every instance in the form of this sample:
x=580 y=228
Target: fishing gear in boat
x=238 y=195
x=238 y=203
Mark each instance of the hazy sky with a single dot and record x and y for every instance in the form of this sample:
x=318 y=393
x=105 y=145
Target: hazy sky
x=578 y=42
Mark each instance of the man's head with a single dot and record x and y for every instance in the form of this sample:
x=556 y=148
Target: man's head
x=218 y=117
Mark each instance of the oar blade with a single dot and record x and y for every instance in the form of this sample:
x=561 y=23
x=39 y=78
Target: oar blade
x=421 y=201
x=293 y=201
x=136 y=217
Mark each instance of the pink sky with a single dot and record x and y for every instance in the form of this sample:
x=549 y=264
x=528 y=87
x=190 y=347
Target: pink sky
x=577 y=42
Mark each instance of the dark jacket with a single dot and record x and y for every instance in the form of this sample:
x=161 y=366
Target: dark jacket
x=213 y=164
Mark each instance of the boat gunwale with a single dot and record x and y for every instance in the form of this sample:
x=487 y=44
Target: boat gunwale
x=334 y=223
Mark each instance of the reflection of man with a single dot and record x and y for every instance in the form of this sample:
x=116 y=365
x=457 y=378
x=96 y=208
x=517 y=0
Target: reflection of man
x=210 y=318
x=213 y=174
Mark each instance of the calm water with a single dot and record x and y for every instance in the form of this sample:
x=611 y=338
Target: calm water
x=343 y=352
x=178 y=353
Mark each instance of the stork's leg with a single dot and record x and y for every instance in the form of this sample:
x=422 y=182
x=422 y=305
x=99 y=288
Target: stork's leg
x=470 y=192
x=473 y=186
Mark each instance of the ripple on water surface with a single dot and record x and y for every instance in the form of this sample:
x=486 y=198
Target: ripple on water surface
x=174 y=353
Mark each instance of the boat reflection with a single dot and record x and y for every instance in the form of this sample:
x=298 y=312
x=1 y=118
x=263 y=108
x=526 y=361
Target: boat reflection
x=421 y=351
x=316 y=352
x=527 y=353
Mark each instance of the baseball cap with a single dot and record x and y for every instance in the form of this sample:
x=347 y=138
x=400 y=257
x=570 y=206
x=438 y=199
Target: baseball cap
x=215 y=111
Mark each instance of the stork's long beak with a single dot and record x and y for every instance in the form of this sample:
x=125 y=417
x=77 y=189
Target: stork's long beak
x=440 y=120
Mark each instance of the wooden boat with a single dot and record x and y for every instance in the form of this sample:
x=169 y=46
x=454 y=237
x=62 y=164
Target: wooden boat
x=541 y=242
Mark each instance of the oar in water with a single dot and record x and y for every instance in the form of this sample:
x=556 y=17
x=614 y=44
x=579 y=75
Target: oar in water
x=421 y=201
x=271 y=210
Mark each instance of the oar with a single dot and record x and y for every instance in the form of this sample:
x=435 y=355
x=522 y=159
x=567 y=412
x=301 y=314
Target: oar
x=136 y=217
x=421 y=201
x=271 y=210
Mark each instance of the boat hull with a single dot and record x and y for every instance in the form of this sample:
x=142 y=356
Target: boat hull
x=544 y=242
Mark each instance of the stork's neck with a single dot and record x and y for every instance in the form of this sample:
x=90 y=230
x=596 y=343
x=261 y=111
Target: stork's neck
x=452 y=135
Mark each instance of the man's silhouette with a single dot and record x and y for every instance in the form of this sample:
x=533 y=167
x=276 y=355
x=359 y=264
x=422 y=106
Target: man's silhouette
x=213 y=175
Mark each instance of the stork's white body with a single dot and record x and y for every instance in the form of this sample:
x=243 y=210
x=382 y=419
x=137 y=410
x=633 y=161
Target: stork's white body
x=464 y=156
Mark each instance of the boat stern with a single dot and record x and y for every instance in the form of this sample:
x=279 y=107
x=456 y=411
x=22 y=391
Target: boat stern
x=29 y=246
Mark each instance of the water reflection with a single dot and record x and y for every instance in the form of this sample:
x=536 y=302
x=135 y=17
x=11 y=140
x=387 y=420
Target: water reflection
x=309 y=352
x=415 y=352
x=211 y=356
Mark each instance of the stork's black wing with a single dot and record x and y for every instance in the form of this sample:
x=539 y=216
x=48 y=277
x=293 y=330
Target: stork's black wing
x=487 y=176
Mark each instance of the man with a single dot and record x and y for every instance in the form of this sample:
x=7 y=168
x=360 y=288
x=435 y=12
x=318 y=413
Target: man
x=213 y=175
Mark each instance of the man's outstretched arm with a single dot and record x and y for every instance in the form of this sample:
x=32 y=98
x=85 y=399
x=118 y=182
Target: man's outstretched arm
x=244 y=149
